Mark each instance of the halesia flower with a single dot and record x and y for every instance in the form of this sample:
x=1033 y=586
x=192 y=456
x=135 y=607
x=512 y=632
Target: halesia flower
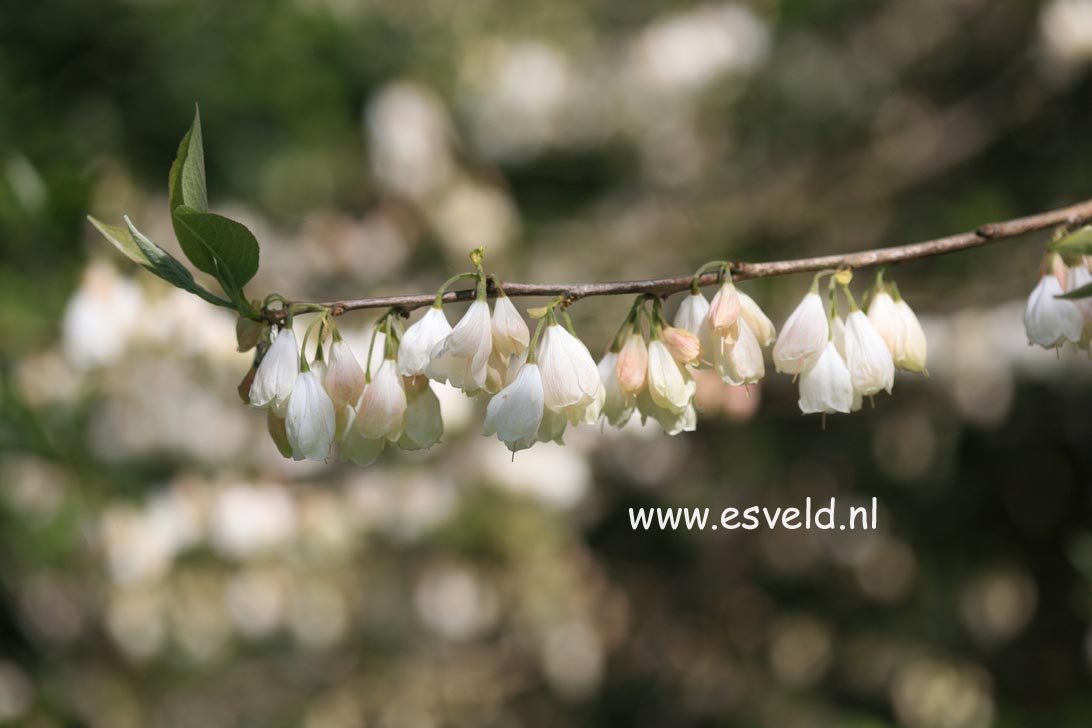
x=1079 y=276
x=826 y=385
x=310 y=423
x=803 y=337
x=276 y=375
x=358 y=449
x=1049 y=321
x=419 y=341
x=278 y=433
x=682 y=344
x=382 y=408
x=686 y=420
x=510 y=334
x=515 y=413
x=669 y=384
x=462 y=358
x=886 y=319
x=631 y=366
x=424 y=425
x=570 y=379
x=553 y=427
x=693 y=315
x=870 y=364
x=912 y=354
x=741 y=362
x=344 y=381
x=724 y=309
x=757 y=320
x=617 y=405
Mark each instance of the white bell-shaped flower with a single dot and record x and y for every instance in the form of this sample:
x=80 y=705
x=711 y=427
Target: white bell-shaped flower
x=344 y=377
x=761 y=326
x=510 y=334
x=462 y=357
x=911 y=356
x=741 y=362
x=382 y=408
x=515 y=413
x=669 y=383
x=309 y=423
x=885 y=317
x=631 y=367
x=724 y=309
x=358 y=449
x=419 y=341
x=570 y=379
x=617 y=405
x=803 y=337
x=826 y=385
x=424 y=425
x=553 y=427
x=1050 y=321
x=693 y=315
x=686 y=420
x=276 y=375
x=871 y=366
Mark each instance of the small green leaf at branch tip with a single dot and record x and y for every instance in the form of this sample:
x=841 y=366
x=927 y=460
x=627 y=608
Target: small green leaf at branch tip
x=1078 y=242
x=230 y=250
x=1084 y=291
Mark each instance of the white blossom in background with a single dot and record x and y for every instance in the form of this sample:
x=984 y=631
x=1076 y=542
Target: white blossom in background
x=276 y=375
x=1050 y=321
x=419 y=341
x=100 y=318
x=1066 y=26
x=310 y=421
x=803 y=337
x=409 y=134
x=462 y=357
x=515 y=413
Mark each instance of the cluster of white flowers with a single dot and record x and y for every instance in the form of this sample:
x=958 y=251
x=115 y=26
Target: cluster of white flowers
x=1051 y=321
x=539 y=385
x=841 y=361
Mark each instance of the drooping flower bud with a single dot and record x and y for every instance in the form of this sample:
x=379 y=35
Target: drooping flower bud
x=419 y=341
x=462 y=357
x=868 y=359
x=911 y=356
x=570 y=379
x=887 y=321
x=803 y=337
x=424 y=425
x=344 y=378
x=826 y=385
x=515 y=413
x=682 y=344
x=693 y=315
x=632 y=364
x=310 y=421
x=617 y=405
x=757 y=320
x=382 y=407
x=669 y=384
x=1051 y=321
x=276 y=375
x=510 y=334
x=724 y=309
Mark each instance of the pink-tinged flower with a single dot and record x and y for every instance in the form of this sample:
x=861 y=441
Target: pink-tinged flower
x=382 y=408
x=617 y=405
x=515 y=413
x=419 y=341
x=344 y=378
x=310 y=423
x=683 y=345
x=826 y=385
x=803 y=337
x=724 y=309
x=693 y=315
x=741 y=362
x=632 y=364
x=462 y=358
x=669 y=383
x=276 y=375
x=510 y=334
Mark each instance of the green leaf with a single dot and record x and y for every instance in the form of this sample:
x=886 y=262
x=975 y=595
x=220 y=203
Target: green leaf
x=229 y=245
x=138 y=248
x=186 y=187
x=1078 y=242
x=1083 y=292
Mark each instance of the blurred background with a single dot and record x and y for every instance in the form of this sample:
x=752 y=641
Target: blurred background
x=161 y=565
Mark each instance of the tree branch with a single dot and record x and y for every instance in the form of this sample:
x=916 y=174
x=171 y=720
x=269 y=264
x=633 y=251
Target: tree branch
x=983 y=235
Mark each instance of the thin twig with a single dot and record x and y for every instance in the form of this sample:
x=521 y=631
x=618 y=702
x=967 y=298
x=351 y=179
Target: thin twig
x=983 y=235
